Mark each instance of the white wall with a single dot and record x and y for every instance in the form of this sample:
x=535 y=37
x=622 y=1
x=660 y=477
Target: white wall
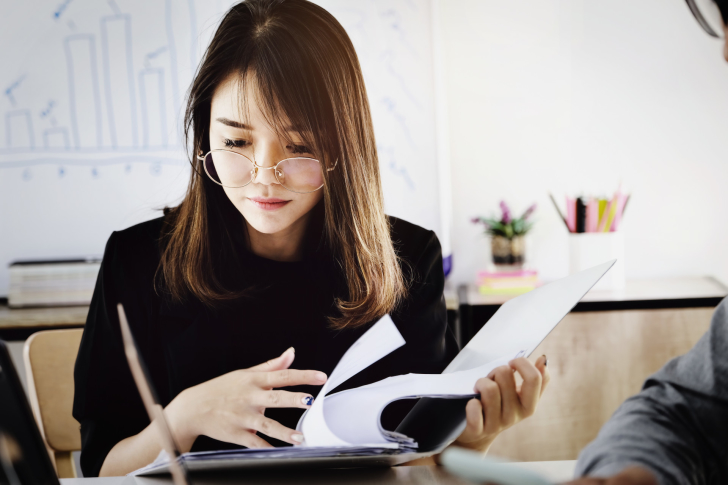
x=576 y=95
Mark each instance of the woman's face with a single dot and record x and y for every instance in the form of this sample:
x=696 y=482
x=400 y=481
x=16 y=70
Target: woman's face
x=264 y=203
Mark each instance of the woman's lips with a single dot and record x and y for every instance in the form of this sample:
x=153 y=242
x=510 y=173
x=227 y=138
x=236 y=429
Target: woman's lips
x=268 y=204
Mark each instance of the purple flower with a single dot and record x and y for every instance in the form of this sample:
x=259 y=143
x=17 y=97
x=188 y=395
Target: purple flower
x=506 y=212
x=480 y=220
x=529 y=211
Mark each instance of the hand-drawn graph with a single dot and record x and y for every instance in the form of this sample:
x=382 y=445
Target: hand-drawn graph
x=119 y=79
x=110 y=79
x=84 y=94
x=19 y=129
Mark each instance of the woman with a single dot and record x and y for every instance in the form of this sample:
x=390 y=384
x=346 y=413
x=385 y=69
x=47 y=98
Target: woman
x=281 y=242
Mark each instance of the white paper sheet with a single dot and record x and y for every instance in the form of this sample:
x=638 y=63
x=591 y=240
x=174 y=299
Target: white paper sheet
x=523 y=322
x=368 y=402
x=352 y=417
x=380 y=340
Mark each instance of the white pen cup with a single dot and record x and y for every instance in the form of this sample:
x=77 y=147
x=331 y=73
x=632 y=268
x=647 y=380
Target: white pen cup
x=590 y=249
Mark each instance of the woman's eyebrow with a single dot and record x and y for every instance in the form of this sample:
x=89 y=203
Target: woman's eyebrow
x=234 y=124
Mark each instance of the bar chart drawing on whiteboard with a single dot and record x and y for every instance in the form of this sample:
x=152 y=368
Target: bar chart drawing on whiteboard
x=110 y=81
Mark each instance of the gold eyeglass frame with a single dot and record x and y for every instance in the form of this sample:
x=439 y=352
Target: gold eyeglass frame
x=252 y=178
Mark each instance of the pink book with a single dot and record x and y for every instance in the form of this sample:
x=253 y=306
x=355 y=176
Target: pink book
x=507 y=274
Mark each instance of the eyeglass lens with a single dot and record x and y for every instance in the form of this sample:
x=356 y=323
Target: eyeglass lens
x=231 y=169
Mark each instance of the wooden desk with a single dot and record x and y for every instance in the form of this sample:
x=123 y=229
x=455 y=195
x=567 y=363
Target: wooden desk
x=19 y=324
x=434 y=475
x=645 y=294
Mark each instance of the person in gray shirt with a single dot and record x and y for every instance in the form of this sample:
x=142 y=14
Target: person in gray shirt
x=675 y=431
x=676 y=428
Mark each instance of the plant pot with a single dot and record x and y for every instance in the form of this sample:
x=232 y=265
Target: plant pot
x=508 y=251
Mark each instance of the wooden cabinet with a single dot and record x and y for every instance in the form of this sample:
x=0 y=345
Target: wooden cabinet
x=599 y=355
x=597 y=360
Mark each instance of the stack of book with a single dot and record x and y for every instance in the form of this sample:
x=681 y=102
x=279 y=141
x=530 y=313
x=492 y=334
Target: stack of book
x=52 y=283
x=507 y=282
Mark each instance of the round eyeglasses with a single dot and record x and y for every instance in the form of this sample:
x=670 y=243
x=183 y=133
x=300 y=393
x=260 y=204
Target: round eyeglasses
x=233 y=170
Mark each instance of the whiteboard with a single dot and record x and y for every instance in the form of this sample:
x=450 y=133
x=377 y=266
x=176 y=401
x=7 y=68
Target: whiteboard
x=91 y=99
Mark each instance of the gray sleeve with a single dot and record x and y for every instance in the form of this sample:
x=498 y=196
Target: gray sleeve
x=677 y=426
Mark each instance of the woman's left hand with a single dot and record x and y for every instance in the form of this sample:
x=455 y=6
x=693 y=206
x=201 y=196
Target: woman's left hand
x=502 y=403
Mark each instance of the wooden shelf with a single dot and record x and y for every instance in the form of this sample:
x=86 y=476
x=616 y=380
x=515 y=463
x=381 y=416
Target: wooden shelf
x=640 y=294
x=653 y=289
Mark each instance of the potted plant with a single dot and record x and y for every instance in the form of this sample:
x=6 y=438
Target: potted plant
x=506 y=234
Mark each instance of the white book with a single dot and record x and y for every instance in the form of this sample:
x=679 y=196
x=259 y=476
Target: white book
x=52 y=283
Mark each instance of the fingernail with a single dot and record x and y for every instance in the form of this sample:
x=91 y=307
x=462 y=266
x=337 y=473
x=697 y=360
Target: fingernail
x=546 y=360
x=291 y=350
x=320 y=376
x=298 y=438
x=307 y=400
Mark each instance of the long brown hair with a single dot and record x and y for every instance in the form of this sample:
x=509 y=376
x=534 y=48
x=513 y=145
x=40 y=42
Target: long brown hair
x=305 y=68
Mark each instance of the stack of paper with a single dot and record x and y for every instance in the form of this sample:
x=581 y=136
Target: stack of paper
x=52 y=283
x=507 y=282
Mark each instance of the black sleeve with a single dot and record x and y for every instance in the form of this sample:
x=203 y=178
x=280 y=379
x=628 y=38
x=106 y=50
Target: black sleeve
x=677 y=426
x=422 y=321
x=106 y=401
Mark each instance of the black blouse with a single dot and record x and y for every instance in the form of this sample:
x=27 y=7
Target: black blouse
x=187 y=344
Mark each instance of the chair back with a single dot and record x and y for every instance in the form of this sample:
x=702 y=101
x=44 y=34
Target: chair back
x=50 y=356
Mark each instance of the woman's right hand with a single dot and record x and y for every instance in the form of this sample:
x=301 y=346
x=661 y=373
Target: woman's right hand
x=230 y=407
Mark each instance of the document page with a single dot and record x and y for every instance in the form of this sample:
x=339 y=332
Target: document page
x=329 y=421
x=380 y=340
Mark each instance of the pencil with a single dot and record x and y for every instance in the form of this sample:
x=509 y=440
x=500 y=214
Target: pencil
x=559 y=211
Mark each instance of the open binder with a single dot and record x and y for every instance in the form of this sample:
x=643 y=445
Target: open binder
x=343 y=429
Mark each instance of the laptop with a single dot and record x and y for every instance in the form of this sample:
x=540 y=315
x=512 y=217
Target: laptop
x=23 y=454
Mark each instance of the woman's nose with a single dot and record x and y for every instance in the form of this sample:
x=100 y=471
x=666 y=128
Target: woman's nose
x=266 y=161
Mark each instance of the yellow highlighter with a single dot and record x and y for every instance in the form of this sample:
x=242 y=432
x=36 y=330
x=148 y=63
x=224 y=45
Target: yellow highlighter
x=602 y=207
x=610 y=215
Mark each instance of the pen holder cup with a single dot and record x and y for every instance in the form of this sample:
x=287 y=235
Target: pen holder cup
x=590 y=249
